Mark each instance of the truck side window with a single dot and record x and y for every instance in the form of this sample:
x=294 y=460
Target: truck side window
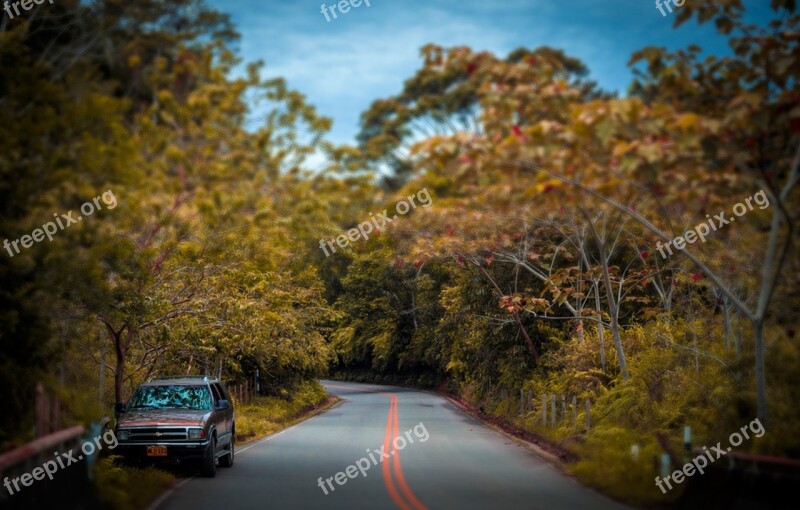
x=217 y=394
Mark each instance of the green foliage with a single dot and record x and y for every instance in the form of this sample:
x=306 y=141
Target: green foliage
x=609 y=466
x=127 y=488
x=265 y=415
x=203 y=266
x=534 y=268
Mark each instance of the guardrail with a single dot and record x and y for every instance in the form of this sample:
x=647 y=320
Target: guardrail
x=70 y=486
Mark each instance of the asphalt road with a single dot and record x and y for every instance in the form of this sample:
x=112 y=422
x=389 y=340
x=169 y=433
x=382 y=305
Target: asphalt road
x=449 y=460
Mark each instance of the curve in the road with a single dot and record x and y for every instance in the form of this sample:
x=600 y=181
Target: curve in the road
x=463 y=465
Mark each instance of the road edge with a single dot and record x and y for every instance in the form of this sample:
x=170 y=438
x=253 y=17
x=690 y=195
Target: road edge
x=331 y=402
x=551 y=458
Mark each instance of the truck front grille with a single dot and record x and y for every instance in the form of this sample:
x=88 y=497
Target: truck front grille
x=158 y=434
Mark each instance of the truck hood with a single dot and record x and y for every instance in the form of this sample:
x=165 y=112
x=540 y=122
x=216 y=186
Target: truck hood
x=163 y=418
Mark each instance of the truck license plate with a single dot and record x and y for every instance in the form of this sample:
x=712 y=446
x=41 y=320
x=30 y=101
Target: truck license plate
x=156 y=451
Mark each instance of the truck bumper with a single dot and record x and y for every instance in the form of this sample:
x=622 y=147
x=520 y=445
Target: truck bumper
x=176 y=452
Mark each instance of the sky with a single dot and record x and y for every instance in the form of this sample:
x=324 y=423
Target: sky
x=344 y=64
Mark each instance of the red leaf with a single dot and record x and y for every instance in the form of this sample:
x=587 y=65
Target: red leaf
x=517 y=131
x=471 y=68
x=697 y=276
x=645 y=254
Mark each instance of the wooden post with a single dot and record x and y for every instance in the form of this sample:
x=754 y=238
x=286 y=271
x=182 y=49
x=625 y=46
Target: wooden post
x=588 y=419
x=553 y=410
x=55 y=417
x=666 y=468
x=564 y=409
x=575 y=411
x=521 y=401
x=42 y=412
x=246 y=391
x=687 y=443
x=530 y=400
x=544 y=409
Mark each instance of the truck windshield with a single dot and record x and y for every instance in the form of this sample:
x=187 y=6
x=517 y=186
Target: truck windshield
x=171 y=397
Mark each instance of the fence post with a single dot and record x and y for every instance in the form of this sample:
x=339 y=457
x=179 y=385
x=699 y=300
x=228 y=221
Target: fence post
x=553 y=410
x=42 y=412
x=665 y=465
x=521 y=401
x=588 y=419
x=530 y=400
x=687 y=443
x=544 y=409
x=57 y=414
x=575 y=411
x=564 y=409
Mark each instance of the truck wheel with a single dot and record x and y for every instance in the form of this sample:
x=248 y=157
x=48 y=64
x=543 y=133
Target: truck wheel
x=209 y=466
x=226 y=460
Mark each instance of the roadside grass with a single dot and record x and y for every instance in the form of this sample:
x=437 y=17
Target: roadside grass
x=121 y=487
x=267 y=415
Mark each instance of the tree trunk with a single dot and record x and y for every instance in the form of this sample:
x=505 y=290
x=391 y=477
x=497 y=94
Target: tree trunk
x=761 y=381
x=600 y=333
x=727 y=317
x=101 y=383
x=121 y=351
x=612 y=307
x=119 y=371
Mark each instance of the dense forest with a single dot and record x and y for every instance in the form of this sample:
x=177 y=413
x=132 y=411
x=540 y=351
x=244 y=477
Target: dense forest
x=635 y=251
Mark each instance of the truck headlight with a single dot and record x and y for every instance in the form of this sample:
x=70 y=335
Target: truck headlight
x=196 y=434
x=123 y=434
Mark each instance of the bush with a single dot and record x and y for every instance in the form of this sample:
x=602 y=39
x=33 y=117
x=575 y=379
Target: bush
x=126 y=488
x=265 y=415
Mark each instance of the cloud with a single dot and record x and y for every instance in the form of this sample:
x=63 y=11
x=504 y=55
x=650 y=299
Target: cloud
x=366 y=54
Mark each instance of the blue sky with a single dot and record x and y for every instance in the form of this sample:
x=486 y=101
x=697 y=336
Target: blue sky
x=366 y=54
